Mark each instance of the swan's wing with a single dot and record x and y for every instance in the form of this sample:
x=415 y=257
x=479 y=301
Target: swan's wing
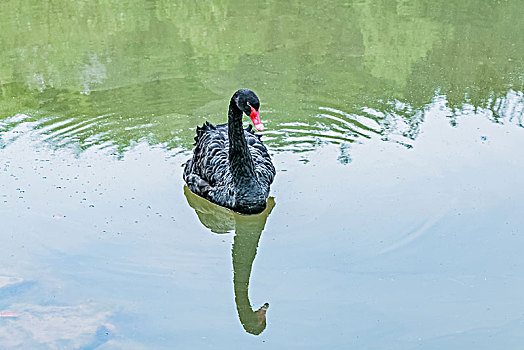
x=263 y=166
x=210 y=159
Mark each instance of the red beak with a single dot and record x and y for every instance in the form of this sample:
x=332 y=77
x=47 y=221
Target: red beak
x=255 y=118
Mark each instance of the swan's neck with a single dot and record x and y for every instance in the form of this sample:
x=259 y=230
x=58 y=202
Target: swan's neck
x=240 y=160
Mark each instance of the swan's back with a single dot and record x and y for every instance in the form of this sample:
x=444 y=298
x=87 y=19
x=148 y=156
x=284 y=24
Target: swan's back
x=208 y=175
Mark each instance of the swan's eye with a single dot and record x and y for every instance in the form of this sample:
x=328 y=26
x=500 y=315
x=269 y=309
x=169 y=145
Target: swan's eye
x=252 y=108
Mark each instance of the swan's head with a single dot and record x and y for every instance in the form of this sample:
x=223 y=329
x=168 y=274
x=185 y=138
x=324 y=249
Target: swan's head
x=248 y=103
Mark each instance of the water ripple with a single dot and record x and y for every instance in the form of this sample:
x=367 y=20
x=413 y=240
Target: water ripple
x=393 y=121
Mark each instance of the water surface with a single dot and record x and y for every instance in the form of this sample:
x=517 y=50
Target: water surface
x=396 y=216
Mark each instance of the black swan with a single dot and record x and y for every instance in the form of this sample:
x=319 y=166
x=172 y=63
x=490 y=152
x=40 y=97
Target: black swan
x=231 y=166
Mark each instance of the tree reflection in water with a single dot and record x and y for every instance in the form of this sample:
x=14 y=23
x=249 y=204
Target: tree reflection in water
x=248 y=229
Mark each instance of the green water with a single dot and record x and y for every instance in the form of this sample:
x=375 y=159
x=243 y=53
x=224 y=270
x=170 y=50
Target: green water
x=396 y=128
x=123 y=71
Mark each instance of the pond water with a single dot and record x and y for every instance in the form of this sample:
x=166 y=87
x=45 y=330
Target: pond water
x=395 y=220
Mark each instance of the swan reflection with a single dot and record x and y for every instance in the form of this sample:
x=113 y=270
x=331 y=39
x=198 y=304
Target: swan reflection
x=248 y=229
